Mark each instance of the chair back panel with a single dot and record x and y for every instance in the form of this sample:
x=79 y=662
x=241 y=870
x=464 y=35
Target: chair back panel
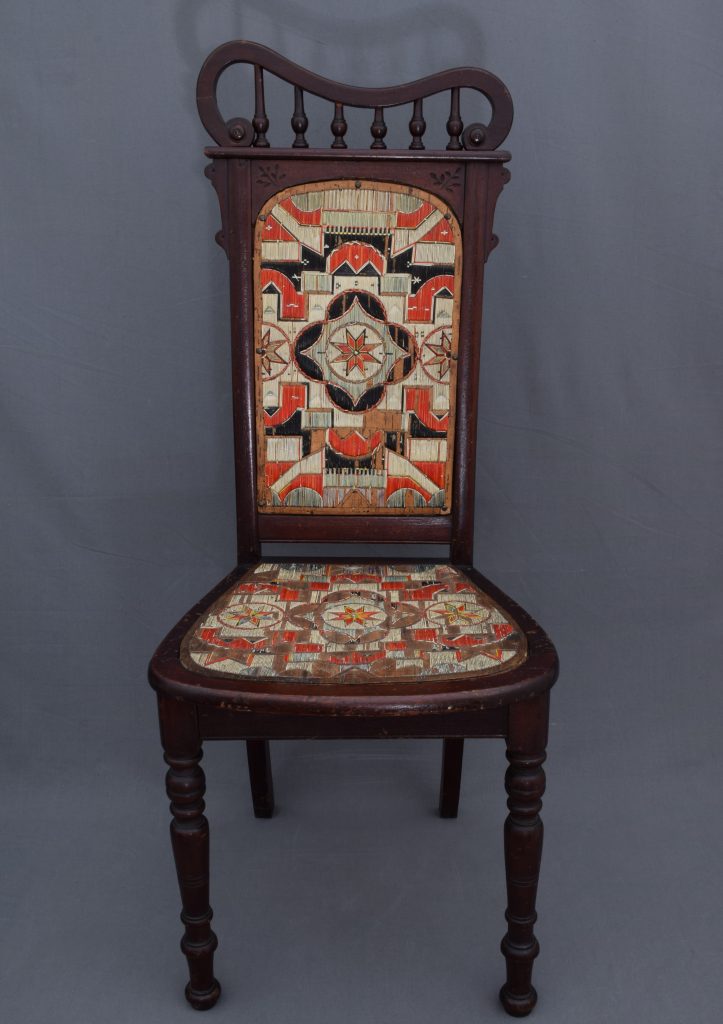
x=356 y=287
x=356 y=298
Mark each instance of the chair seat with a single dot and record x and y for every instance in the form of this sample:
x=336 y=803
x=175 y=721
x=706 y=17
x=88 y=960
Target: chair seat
x=353 y=623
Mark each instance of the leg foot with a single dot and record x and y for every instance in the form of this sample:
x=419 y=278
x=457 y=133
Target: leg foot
x=203 y=1000
x=525 y=784
x=518 y=1006
x=262 y=783
x=451 y=777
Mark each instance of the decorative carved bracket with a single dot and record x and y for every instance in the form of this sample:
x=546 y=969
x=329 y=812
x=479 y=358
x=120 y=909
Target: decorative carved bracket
x=499 y=176
x=217 y=174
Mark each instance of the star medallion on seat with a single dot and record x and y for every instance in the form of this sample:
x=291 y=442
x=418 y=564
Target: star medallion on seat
x=352 y=616
x=455 y=614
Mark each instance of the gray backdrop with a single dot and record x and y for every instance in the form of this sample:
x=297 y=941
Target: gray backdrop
x=599 y=509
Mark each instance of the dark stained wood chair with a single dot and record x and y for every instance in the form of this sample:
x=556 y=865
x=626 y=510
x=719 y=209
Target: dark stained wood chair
x=356 y=309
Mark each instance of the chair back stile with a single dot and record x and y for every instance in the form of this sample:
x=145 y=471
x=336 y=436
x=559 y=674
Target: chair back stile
x=356 y=279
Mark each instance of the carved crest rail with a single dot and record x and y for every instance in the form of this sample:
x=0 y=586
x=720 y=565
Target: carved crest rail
x=242 y=132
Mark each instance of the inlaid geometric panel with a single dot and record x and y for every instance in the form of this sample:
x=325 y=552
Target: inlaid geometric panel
x=353 y=623
x=357 y=288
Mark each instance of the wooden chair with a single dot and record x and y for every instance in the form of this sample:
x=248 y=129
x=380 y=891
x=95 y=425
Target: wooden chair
x=356 y=308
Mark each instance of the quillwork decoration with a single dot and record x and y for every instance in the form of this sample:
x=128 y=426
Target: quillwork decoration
x=353 y=624
x=357 y=288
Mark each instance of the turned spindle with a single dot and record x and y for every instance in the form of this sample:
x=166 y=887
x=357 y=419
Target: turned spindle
x=338 y=127
x=379 y=129
x=454 y=122
x=417 y=126
x=260 y=121
x=299 y=120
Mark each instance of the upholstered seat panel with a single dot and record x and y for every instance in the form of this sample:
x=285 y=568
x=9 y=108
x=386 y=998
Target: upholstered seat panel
x=353 y=623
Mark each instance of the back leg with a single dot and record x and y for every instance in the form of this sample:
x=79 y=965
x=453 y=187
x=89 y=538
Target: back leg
x=262 y=783
x=451 y=777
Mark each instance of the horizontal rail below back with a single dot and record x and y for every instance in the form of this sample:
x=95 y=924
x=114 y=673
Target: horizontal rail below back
x=356 y=529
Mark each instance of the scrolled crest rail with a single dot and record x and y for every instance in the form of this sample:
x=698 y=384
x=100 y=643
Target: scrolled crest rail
x=242 y=132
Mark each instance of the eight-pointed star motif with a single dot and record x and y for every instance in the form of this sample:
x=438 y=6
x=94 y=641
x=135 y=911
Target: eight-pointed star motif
x=355 y=351
x=254 y=615
x=457 y=614
x=246 y=615
x=435 y=353
x=352 y=615
x=270 y=353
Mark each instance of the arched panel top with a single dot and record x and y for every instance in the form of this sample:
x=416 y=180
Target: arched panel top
x=356 y=300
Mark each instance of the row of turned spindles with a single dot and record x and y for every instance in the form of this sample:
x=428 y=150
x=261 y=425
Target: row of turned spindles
x=339 y=126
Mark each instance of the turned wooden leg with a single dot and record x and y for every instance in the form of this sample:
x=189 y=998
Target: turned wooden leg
x=525 y=784
x=262 y=783
x=451 y=777
x=186 y=785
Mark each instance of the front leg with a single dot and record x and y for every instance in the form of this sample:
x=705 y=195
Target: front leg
x=186 y=785
x=525 y=784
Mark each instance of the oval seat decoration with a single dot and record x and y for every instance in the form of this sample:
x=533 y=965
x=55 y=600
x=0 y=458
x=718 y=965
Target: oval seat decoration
x=354 y=623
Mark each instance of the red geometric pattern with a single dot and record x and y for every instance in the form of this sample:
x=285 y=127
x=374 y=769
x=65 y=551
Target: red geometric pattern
x=353 y=623
x=357 y=291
